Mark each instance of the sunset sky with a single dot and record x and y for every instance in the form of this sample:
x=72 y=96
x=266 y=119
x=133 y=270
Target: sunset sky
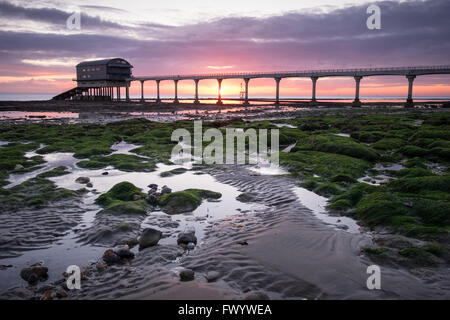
x=39 y=53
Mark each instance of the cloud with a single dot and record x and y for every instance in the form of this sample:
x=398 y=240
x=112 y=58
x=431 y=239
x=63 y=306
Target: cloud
x=413 y=33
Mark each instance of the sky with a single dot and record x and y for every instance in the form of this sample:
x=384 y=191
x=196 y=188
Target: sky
x=38 y=52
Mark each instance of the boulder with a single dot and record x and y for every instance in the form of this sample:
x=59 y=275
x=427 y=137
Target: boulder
x=149 y=238
x=153 y=186
x=18 y=167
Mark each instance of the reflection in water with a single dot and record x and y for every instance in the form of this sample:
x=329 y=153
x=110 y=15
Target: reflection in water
x=317 y=205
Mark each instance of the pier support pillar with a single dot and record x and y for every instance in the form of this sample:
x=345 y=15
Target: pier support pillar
x=196 y=101
x=247 y=80
x=357 y=102
x=277 y=98
x=219 y=100
x=409 y=101
x=313 y=101
x=158 y=97
x=176 y=92
x=127 y=92
x=142 y=91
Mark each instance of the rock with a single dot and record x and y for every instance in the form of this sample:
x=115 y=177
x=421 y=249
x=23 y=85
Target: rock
x=18 y=167
x=166 y=190
x=152 y=200
x=110 y=257
x=385 y=181
x=34 y=273
x=33 y=279
x=247 y=197
x=124 y=252
x=82 y=180
x=186 y=237
x=48 y=295
x=149 y=238
x=131 y=243
x=187 y=275
x=136 y=197
x=89 y=185
x=190 y=246
x=256 y=295
x=409 y=204
x=61 y=294
x=100 y=266
x=243 y=243
x=212 y=276
x=153 y=186
x=105 y=173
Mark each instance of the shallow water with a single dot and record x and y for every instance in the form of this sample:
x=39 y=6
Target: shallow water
x=68 y=251
x=317 y=204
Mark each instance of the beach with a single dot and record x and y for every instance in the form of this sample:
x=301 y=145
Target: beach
x=275 y=232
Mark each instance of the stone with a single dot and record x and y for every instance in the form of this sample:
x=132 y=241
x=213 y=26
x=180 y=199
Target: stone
x=110 y=257
x=89 y=185
x=124 y=252
x=82 y=180
x=33 y=279
x=187 y=275
x=48 y=295
x=166 y=190
x=151 y=199
x=186 y=237
x=149 y=238
x=105 y=173
x=153 y=186
x=136 y=197
x=101 y=266
x=256 y=295
x=61 y=294
x=190 y=246
x=212 y=276
x=18 y=167
x=34 y=273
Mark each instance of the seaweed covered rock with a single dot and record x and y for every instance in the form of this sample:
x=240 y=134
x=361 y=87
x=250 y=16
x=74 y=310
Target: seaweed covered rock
x=124 y=197
x=185 y=201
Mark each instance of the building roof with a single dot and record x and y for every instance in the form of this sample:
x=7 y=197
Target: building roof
x=110 y=61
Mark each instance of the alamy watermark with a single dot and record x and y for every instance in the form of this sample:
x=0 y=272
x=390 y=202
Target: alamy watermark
x=73 y=22
x=230 y=149
x=74 y=279
x=374 y=280
x=374 y=20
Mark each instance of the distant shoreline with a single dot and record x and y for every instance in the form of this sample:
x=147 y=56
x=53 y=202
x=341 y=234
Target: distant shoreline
x=137 y=106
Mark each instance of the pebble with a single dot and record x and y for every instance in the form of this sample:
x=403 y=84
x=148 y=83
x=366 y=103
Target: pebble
x=110 y=257
x=186 y=238
x=187 y=275
x=105 y=173
x=212 y=276
x=82 y=180
x=190 y=246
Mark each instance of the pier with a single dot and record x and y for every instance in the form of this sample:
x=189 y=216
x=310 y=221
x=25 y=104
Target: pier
x=410 y=73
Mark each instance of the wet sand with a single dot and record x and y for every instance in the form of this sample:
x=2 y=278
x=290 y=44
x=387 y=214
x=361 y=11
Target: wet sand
x=275 y=244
